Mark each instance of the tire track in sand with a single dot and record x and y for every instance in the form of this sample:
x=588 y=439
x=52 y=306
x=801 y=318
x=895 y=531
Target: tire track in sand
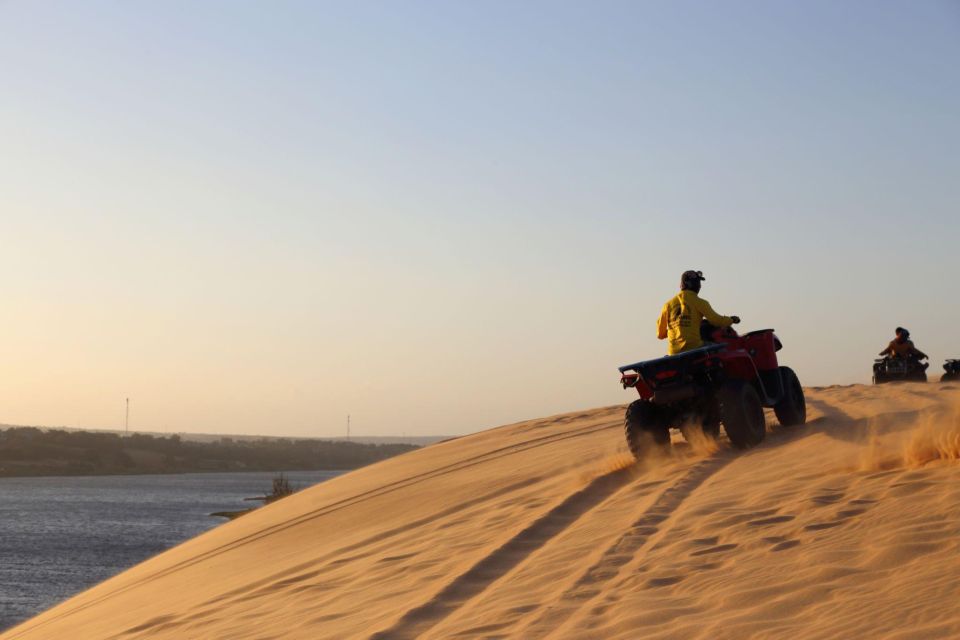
x=289 y=577
x=591 y=583
x=498 y=563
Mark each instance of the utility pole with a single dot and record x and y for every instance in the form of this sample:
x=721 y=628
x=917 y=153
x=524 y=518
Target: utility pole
x=126 y=421
x=348 y=427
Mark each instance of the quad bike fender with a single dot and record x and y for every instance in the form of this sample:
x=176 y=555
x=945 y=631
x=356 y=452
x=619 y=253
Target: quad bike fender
x=769 y=383
x=762 y=346
x=738 y=365
x=772 y=386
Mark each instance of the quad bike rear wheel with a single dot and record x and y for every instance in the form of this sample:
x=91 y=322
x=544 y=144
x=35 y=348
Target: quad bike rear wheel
x=646 y=428
x=792 y=408
x=742 y=414
x=708 y=422
x=950 y=377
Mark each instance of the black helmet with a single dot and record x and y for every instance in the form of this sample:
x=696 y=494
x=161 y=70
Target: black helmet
x=691 y=280
x=903 y=332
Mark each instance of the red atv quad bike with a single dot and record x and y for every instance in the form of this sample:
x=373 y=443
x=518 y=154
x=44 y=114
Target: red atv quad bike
x=728 y=382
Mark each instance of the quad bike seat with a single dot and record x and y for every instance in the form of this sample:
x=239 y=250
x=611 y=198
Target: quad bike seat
x=658 y=364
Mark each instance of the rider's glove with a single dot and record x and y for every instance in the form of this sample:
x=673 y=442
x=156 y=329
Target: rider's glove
x=736 y=319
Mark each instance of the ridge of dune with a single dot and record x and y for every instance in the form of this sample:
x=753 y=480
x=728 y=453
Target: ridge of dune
x=845 y=527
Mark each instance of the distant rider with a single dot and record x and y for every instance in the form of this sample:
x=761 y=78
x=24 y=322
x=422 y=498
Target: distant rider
x=902 y=347
x=681 y=316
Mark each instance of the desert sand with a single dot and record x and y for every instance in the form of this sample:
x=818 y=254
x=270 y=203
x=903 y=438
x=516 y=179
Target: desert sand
x=848 y=527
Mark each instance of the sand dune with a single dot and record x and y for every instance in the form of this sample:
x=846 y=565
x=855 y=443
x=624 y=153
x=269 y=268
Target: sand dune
x=847 y=527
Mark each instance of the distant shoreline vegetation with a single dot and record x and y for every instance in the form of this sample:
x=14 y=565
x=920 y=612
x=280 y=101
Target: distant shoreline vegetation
x=31 y=451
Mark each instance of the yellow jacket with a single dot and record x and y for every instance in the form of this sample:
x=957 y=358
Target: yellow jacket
x=680 y=321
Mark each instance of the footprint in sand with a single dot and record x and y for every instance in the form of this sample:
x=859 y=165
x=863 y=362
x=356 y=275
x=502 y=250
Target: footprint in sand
x=849 y=513
x=664 y=582
x=717 y=549
x=781 y=543
x=786 y=544
x=842 y=516
x=763 y=522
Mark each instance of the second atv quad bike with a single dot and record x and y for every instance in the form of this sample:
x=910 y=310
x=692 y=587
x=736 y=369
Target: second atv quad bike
x=952 y=368
x=727 y=382
x=898 y=370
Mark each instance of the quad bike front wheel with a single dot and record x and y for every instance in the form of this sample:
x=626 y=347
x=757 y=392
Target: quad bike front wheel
x=742 y=414
x=792 y=408
x=646 y=428
x=950 y=377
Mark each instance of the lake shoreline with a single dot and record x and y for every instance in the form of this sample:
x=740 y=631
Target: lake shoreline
x=64 y=534
x=28 y=452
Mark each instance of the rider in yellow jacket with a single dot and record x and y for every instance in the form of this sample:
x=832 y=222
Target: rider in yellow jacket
x=680 y=319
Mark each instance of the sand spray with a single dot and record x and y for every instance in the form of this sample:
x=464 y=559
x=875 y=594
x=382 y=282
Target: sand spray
x=934 y=435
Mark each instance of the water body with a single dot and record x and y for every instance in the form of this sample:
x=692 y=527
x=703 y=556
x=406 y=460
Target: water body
x=59 y=536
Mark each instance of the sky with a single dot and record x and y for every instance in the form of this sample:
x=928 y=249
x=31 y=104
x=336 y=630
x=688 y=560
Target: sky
x=439 y=217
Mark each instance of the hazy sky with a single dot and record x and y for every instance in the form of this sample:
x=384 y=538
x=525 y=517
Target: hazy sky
x=258 y=217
